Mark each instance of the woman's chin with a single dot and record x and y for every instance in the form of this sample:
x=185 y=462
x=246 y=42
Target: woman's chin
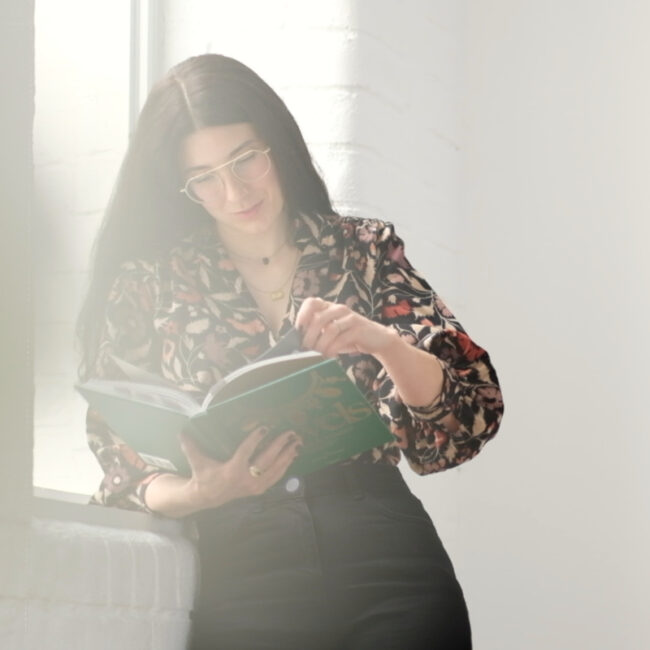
x=255 y=221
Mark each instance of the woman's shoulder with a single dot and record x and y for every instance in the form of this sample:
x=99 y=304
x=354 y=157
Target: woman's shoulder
x=134 y=272
x=363 y=231
x=137 y=280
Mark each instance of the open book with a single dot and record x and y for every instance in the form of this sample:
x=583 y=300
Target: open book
x=302 y=391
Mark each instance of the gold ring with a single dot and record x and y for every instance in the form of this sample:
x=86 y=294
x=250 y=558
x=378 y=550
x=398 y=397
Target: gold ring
x=254 y=471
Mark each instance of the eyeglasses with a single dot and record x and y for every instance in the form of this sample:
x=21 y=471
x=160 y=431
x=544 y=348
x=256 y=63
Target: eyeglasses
x=250 y=166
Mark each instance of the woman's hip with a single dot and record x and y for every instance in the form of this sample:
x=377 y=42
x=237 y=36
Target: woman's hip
x=343 y=558
x=336 y=525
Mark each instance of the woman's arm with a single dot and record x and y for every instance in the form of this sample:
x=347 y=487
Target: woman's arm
x=129 y=334
x=437 y=389
x=417 y=376
x=214 y=483
x=334 y=329
x=128 y=481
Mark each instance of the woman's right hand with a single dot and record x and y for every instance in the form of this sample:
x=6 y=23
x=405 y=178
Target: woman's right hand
x=214 y=483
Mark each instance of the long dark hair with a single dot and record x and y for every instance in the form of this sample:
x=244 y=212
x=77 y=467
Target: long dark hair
x=146 y=213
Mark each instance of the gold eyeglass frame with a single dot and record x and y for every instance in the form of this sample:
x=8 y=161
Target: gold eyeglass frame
x=230 y=164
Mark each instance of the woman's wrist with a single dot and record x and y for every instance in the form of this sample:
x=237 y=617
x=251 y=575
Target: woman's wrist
x=173 y=496
x=417 y=375
x=199 y=498
x=393 y=348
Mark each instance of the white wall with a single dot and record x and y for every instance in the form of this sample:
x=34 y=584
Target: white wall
x=554 y=543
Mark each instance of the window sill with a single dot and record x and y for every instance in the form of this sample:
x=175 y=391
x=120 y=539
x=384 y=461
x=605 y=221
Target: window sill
x=68 y=506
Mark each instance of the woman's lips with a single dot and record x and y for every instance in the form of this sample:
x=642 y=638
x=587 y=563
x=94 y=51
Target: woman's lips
x=248 y=213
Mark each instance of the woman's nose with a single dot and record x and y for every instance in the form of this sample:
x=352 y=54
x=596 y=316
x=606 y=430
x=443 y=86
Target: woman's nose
x=233 y=188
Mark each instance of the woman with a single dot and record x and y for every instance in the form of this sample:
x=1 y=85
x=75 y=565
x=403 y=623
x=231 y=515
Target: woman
x=220 y=237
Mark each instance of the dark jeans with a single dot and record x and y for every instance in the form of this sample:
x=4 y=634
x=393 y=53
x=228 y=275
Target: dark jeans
x=347 y=560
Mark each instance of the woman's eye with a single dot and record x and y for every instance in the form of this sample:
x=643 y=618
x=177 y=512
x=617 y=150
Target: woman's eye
x=206 y=178
x=246 y=158
x=246 y=165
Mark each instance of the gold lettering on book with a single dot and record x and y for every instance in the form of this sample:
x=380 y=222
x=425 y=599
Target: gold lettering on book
x=342 y=416
x=319 y=407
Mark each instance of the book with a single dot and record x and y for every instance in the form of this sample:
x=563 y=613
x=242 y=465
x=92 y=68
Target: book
x=300 y=391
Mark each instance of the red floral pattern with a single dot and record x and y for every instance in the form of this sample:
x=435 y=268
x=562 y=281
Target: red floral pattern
x=189 y=317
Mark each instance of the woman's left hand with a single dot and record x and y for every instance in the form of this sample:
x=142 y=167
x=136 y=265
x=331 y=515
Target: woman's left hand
x=333 y=329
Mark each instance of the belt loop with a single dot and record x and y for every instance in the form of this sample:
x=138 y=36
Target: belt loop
x=352 y=474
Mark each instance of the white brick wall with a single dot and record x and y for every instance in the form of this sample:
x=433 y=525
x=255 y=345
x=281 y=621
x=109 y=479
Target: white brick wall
x=374 y=87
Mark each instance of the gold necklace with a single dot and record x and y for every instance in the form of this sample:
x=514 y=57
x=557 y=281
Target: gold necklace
x=277 y=294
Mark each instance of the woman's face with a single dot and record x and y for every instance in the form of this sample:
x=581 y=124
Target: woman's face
x=241 y=206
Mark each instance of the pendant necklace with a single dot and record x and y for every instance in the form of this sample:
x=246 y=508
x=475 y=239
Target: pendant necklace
x=277 y=294
x=266 y=259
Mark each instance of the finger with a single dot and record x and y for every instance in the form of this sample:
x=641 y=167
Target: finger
x=328 y=337
x=320 y=322
x=345 y=336
x=307 y=317
x=337 y=334
x=278 y=468
x=267 y=456
x=309 y=307
x=248 y=446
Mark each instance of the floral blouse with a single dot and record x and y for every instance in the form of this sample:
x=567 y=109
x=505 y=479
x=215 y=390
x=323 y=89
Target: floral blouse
x=189 y=317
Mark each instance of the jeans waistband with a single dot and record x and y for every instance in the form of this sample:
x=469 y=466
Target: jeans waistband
x=350 y=478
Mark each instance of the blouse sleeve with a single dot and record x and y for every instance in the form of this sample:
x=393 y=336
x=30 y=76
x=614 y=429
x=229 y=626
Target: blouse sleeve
x=470 y=388
x=129 y=334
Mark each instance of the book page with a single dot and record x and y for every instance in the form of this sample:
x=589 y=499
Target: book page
x=165 y=397
x=259 y=373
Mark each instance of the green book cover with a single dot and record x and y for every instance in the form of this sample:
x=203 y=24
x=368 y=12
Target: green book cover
x=303 y=392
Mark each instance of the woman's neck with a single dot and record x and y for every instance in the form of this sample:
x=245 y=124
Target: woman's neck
x=255 y=246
